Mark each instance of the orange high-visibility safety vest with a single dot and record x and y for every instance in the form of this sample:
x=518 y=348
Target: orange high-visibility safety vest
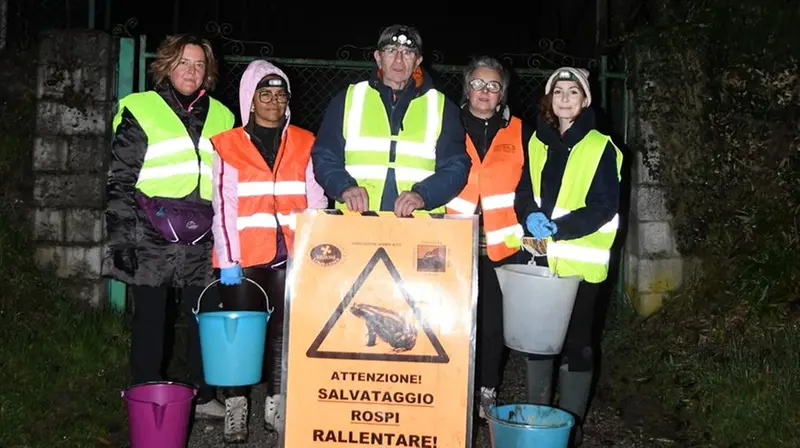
x=494 y=181
x=266 y=199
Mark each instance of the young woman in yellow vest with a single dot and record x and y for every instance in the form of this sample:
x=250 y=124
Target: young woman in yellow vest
x=569 y=196
x=262 y=176
x=496 y=142
x=159 y=212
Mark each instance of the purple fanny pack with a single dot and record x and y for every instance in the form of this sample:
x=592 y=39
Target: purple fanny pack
x=177 y=220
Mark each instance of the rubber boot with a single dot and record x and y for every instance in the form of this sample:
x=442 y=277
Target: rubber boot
x=573 y=397
x=539 y=380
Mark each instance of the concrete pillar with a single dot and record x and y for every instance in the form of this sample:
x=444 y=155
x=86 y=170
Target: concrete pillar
x=75 y=100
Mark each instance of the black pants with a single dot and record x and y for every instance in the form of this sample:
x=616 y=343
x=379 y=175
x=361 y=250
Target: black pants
x=148 y=331
x=579 y=342
x=247 y=297
x=491 y=348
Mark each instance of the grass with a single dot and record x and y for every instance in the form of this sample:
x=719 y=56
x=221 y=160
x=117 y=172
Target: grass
x=62 y=366
x=719 y=370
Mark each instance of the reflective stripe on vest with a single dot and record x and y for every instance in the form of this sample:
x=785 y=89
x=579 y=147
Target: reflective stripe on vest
x=173 y=167
x=587 y=256
x=493 y=181
x=368 y=140
x=266 y=200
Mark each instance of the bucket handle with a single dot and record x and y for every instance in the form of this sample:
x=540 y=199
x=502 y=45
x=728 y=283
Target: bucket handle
x=536 y=253
x=200 y=297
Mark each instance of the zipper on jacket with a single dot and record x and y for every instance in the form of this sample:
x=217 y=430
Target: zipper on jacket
x=395 y=131
x=485 y=138
x=200 y=137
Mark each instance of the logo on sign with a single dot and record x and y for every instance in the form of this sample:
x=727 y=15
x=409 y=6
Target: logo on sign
x=326 y=255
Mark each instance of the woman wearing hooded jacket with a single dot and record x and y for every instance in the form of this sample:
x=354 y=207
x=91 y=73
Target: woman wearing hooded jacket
x=568 y=195
x=262 y=176
x=158 y=215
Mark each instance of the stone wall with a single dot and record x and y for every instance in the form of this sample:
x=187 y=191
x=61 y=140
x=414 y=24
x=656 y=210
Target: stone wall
x=653 y=266
x=75 y=96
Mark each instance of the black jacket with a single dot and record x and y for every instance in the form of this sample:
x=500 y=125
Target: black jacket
x=160 y=263
x=452 y=161
x=483 y=131
x=602 y=200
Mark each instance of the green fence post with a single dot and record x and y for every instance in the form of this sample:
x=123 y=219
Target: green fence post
x=127 y=50
x=142 y=62
x=92 y=12
x=117 y=291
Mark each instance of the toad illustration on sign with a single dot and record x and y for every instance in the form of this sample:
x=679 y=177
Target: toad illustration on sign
x=390 y=326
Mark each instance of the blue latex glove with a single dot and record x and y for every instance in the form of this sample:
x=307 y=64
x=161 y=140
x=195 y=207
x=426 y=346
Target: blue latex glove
x=551 y=228
x=534 y=222
x=231 y=275
x=539 y=226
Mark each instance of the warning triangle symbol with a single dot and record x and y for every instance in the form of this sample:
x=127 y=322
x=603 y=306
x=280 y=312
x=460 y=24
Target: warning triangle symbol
x=382 y=325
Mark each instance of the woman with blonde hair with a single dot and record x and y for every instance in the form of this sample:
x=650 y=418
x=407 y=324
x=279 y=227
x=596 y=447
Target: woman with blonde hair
x=159 y=213
x=568 y=196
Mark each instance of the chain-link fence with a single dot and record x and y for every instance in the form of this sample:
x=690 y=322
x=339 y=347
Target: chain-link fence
x=315 y=82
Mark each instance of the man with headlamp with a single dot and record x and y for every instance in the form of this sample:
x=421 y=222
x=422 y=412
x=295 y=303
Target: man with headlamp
x=393 y=142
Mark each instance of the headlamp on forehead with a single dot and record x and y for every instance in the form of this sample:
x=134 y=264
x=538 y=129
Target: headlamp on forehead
x=565 y=75
x=401 y=37
x=272 y=82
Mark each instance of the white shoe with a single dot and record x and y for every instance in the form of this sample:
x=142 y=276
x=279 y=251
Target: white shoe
x=488 y=398
x=211 y=410
x=273 y=418
x=235 y=420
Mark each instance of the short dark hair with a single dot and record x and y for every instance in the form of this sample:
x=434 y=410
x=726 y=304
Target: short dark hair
x=492 y=64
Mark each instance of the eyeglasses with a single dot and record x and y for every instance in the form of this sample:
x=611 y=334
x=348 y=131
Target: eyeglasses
x=479 y=84
x=266 y=96
x=406 y=52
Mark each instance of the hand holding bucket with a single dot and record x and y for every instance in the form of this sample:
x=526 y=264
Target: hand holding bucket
x=537 y=247
x=232 y=342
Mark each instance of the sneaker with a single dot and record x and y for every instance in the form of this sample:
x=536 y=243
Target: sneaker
x=488 y=398
x=211 y=410
x=235 y=420
x=272 y=412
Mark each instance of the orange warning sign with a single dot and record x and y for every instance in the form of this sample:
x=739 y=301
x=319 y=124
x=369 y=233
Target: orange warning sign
x=380 y=313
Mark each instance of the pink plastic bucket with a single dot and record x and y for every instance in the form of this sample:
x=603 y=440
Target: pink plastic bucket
x=159 y=414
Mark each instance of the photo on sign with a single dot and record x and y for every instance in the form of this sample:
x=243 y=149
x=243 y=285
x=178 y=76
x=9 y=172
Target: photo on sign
x=431 y=258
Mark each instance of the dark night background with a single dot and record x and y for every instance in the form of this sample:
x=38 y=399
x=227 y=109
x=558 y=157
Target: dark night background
x=566 y=32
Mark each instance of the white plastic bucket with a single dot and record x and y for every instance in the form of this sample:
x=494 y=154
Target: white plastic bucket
x=537 y=307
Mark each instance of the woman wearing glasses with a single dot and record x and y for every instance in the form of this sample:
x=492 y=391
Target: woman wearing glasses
x=495 y=143
x=262 y=175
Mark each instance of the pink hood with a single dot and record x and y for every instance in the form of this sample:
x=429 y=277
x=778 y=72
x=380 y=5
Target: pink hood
x=254 y=73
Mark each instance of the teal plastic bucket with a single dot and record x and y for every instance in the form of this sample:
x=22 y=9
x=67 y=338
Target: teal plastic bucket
x=529 y=426
x=232 y=343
